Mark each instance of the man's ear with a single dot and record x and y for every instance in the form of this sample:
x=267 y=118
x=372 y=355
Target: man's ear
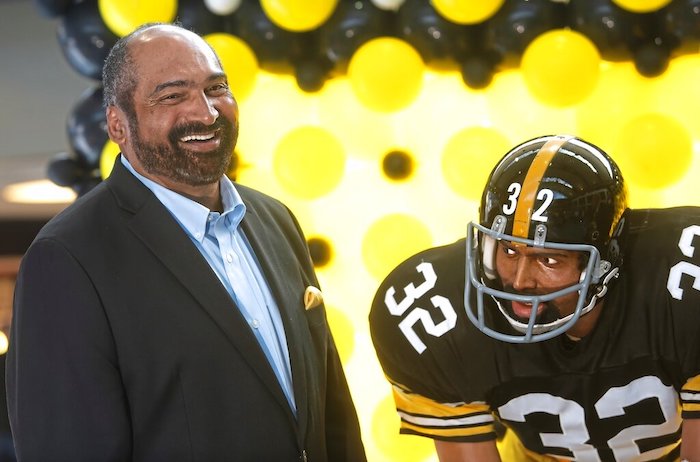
x=117 y=128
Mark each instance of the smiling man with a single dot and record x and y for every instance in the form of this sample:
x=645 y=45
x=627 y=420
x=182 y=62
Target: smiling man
x=564 y=327
x=170 y=314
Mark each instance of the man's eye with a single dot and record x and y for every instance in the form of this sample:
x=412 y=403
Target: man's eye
x=219 y=87
x=508 y=250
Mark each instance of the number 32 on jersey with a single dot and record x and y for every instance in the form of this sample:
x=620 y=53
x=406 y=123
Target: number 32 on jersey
x=418 y=314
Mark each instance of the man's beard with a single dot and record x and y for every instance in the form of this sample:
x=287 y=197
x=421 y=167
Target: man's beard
x=182 y=165
x=550 y=313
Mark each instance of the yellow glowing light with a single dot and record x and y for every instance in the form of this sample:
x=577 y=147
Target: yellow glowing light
x=309 y=162
x=469 y=157
x=392 y=239
x=238 y=60
x=385 y=431
x=343 y=332
x=643 y=147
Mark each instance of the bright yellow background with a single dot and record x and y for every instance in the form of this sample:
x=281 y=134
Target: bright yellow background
x=454 y=135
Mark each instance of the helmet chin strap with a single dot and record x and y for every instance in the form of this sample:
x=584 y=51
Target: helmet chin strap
x=541 y=328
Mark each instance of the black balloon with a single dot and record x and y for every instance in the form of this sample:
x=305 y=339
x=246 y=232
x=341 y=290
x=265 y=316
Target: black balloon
x=87 y=128
x=64 y=170
x=85 y=39
x=351 y=25
x=607 y=25
x=681 y=24
x=311 y=67
x=651 y=59
x=516 y=24
x=320 y=251
x=477 y=72
x=311 y=73
x=441 y=43
x=397 y=165
x=272 y=45
x=195 y=16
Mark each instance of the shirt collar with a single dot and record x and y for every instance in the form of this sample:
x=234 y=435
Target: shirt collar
x=192 y=215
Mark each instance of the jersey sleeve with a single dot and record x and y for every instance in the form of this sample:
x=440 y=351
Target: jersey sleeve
x=428 y=350
x=424 y=416
x=690 y=398
x=666 y=255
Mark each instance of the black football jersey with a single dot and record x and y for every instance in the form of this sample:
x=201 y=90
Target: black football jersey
x=619 y=394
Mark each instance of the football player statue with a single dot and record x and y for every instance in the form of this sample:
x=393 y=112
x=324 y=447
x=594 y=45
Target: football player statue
x=564 y=327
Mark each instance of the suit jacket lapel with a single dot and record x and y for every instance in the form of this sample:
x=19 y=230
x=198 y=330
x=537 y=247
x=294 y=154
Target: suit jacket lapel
x=279 y=274
x=158 y=230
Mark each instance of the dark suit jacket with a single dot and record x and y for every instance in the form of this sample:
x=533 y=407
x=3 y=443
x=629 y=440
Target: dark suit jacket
x=125 y=345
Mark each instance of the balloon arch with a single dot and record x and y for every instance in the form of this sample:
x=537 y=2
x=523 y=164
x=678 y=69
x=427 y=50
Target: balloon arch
x=381 y=46
x=378 y=121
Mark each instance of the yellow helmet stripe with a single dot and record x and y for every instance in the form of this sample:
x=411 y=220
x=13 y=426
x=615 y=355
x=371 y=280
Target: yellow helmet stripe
x=528 y=192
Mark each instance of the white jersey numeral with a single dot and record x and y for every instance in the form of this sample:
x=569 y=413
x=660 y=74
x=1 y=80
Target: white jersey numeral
x=615 y=402
x=684 y=268
x=420 y=315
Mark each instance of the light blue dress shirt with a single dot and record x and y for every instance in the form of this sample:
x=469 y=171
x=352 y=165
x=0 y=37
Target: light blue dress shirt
x=222 y=243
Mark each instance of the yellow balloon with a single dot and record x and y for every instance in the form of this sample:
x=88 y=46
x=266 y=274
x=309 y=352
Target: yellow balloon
x=392 y=239
x=561 y=67
x=309 y=162
x=467 y=11
x=642 y=6
x=238 y=60
x=620 y=95
x=343 y=333
x=123 y=16
x=109 y=153
x=654 y=150
x=681 y=92
x=298 y=15
x=386 y=74
x=469 y=157
x=385 y=434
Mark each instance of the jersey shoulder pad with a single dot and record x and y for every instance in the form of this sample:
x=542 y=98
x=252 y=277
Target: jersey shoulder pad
x=419 y=327
x=662 y=253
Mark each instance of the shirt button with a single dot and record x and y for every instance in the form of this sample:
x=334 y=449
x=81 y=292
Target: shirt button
x=229 y=257
x=255 y=323
x=198 y=235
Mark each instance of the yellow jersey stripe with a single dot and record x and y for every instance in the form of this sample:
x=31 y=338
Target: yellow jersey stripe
x=690 y=395
x=528 y=192
x=479 y=433
x=414 y=403
x=693 y=384
x=424 y=416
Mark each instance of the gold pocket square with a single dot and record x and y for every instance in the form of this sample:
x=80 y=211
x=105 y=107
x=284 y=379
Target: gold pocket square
x=313 y=297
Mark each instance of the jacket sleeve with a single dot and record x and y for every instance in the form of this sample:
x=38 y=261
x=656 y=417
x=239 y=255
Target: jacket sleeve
x=343 y=439
x=65 y=397
x=343 y=435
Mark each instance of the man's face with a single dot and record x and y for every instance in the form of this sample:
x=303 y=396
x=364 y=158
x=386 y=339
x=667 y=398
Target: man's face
x=538 y=271
x=184 y=125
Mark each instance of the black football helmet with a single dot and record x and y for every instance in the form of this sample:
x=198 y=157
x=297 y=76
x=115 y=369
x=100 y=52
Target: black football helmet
x=555 y=192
